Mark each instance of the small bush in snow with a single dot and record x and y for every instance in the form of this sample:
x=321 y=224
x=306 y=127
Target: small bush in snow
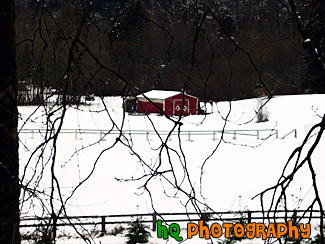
x=262 y=115
x=116 y=230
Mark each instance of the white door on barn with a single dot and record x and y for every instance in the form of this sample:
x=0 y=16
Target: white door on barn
x=178 y=106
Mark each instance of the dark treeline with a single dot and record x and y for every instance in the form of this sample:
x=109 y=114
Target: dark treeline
x=159 y=44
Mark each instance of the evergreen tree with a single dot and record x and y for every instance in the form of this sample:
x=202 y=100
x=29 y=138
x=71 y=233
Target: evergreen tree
x=137 y=232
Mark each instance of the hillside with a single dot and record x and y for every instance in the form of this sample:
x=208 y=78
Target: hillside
x=239 y=169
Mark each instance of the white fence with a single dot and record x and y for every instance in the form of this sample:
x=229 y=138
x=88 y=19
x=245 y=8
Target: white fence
x=213 y=134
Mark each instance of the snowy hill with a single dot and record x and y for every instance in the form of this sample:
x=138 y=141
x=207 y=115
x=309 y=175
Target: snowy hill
x=234 y=171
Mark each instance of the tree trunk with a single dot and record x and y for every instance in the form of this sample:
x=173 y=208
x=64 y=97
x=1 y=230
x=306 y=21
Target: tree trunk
x=9 y=165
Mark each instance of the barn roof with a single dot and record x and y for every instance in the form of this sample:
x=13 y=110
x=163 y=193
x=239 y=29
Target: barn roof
x=159 y=94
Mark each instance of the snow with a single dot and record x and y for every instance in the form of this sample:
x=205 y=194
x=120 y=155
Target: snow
x=238 y=169
x=159 y=94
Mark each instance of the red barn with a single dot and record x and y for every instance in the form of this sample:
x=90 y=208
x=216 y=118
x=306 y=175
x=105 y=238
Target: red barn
x=170 y=102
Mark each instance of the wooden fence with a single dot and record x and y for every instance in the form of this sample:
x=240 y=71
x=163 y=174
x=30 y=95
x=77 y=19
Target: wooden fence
x=232 y=216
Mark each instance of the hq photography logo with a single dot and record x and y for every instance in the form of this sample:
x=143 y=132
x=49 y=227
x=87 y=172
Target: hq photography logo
x=238 y=230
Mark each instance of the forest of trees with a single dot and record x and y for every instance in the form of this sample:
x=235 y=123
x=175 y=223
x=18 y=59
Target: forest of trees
x=150 y=44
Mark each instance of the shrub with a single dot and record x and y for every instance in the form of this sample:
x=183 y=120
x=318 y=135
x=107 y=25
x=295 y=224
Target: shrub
x=262 y=115
x=116 y=230
x=137 y=232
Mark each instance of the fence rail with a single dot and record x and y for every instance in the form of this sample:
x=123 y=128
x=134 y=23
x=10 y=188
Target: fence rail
x=103 y=133
x=291 y=132
x=103 y=220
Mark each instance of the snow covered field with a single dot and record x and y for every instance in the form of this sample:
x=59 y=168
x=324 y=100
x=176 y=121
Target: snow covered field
x=238 y=170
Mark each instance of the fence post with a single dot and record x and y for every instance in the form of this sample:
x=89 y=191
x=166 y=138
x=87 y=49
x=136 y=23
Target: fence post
x=189 y=136
x=235 y=135
x=101 y=137
x=147 y=136
x=123 y=135
x=154 y=221
x=249 y=216
x=76 y=134
x=32 y=134
x=214 y=136
x=103 y=225
x=257 y=134
x=276 y=134
x=295 y=133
